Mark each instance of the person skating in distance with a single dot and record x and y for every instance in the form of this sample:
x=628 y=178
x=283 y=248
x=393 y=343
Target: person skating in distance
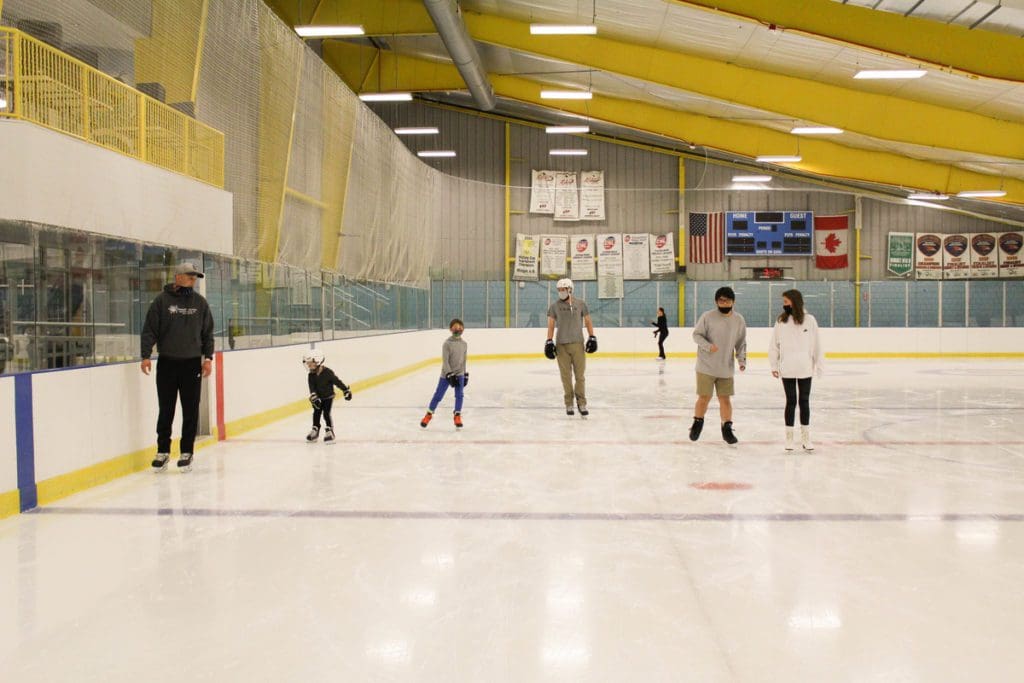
x=570 y=315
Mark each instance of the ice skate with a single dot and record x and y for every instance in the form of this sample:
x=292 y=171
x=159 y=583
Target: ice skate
x=805 y=438
x=790 y=441
x=727 y=434
x=313 y=435
x=426 y=419
x=160 y=461
x=696 y=427
x=583 y=411
x=329 y=435
x=185 y=462
x=458 y=420
x=569 y=411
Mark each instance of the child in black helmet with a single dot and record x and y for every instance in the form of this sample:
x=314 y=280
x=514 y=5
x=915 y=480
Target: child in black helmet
x=322 y=381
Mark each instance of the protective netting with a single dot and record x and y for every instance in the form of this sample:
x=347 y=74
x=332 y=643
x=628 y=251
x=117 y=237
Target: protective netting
x=318 y=182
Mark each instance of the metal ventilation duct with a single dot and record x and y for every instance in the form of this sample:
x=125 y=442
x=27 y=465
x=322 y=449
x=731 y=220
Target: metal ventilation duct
x=446 y=17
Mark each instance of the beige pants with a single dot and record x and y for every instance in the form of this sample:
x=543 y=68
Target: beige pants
x=572 y=360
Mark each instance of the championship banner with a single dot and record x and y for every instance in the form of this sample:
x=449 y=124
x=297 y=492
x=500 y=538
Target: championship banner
x=609 y=266
x=552 y=254
x=984 y=257
x=663 y=254
x=1010 y=262
x=592 y=196
x=928 y=256
x=567 y=197
x=542 y=192
x=584 y=266
x=956 y=259
x=636 y=257
x=526 y=258
x=900 y=260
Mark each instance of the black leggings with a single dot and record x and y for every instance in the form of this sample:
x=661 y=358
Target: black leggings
x=791 y=384
x=661 y=344
x=325 y=410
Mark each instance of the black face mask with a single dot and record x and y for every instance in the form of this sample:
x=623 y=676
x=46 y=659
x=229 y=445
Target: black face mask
x=788 y=310
x=724 y=310
x=184 y=291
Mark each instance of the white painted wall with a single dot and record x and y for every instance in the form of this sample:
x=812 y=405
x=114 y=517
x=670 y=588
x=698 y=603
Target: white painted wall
x=55 y=179
x=8 y=443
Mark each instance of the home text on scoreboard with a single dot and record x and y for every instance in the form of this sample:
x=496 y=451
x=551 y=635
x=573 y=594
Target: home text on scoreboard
x=769 y=233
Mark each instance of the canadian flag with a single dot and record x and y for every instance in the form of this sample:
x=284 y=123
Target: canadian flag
x=831 y=235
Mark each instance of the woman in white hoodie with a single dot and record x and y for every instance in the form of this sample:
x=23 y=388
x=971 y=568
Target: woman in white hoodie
x=795 y=354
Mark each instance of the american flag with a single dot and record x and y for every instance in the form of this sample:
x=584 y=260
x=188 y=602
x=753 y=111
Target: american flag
x=706 y=236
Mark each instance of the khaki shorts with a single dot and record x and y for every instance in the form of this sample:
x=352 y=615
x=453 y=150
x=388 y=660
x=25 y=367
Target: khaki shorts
x=708 y=385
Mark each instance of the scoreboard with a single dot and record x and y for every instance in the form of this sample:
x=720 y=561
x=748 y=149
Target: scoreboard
x=769 y=233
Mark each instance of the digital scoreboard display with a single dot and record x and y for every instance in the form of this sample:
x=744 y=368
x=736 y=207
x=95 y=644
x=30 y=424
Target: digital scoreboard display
x=769 y=233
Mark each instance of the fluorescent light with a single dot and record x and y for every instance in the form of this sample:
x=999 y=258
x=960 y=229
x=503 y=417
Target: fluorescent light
x=779 y=158
x=567 y=129
x=432 y=153
x=981 y=194
x=751 y=178
x=890 y=73
x=329 y=31
x=934 y=196
x=816 y=130
x=386 y=97
x=566 y=95
x=422 y=130
x=568 y=152
x=563 y=29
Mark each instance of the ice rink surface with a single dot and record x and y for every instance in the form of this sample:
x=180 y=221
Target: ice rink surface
x=532 y=546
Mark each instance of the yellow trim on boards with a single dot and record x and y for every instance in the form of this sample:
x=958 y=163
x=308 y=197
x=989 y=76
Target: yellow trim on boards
x=10 y=503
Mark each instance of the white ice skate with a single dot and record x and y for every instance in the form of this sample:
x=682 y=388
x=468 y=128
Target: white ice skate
x=583 y=410
x=790 y=439
x=329 y=436
x=805 y=438
x=313 y=435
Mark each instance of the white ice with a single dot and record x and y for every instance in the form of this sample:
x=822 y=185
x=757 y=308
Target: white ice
x=532 y=546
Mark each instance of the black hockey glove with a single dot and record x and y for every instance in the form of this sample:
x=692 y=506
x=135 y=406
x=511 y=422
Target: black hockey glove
x=347 y=393
x=549 y=349
x=465 y=380
x=591 y=346
x=314 y=400
x=453 y=379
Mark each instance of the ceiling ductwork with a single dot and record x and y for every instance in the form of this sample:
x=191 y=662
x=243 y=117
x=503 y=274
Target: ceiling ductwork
x=446 y=17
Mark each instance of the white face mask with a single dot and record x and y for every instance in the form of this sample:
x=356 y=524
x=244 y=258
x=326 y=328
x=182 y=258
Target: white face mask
x=563 y=294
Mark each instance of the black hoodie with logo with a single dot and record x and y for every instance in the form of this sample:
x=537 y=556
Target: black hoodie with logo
x=179 y=323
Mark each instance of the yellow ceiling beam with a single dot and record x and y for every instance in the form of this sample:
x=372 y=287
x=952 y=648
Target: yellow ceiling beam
x=821 y=157
x=352 y=62
x=878 y=116
x=377 y=17
x=978 y=52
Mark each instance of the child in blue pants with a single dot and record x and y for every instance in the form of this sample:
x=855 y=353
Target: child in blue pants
x=453 y=373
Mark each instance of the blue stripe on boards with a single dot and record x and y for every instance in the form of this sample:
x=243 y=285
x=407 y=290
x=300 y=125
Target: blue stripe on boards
x=25 y=441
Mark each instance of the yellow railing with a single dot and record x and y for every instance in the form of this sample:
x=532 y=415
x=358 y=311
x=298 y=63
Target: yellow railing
x=43 y=85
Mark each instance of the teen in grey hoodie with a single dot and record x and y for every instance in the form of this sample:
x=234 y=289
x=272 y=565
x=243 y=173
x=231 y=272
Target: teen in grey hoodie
x=721 y=337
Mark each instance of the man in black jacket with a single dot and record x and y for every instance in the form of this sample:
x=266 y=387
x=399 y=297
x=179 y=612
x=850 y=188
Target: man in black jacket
x=180 y=324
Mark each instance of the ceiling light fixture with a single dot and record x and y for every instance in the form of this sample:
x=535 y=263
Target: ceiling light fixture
x=566 y=95
x=751 y=178
x=436 y=153
x=567 y=129
x=568 y=152
x=981 y=194
x=386 y=97
x=779 y=158
x=563 y=29
x=329 y=31
x=889 y=73
x=816 y=130
x=421 y=130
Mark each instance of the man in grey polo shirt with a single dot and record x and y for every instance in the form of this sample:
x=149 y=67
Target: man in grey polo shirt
x=570 y=314
x=721 y=337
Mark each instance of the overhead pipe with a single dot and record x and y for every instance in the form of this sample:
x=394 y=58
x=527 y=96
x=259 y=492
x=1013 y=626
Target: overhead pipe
x=448 y=20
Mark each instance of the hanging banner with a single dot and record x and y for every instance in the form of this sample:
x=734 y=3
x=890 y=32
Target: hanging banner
x=526 y=258
x=592 y=196
x=956 y=259
x=584 y=266
x=567 y=197
x=900 y=260
x=609 y=266
x=928 y=256
x=542 y=192
x=636 y=257
x=984 y=257
x=1010 y=262
x=831 y=235
x=663 y=254
x=552 y=254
